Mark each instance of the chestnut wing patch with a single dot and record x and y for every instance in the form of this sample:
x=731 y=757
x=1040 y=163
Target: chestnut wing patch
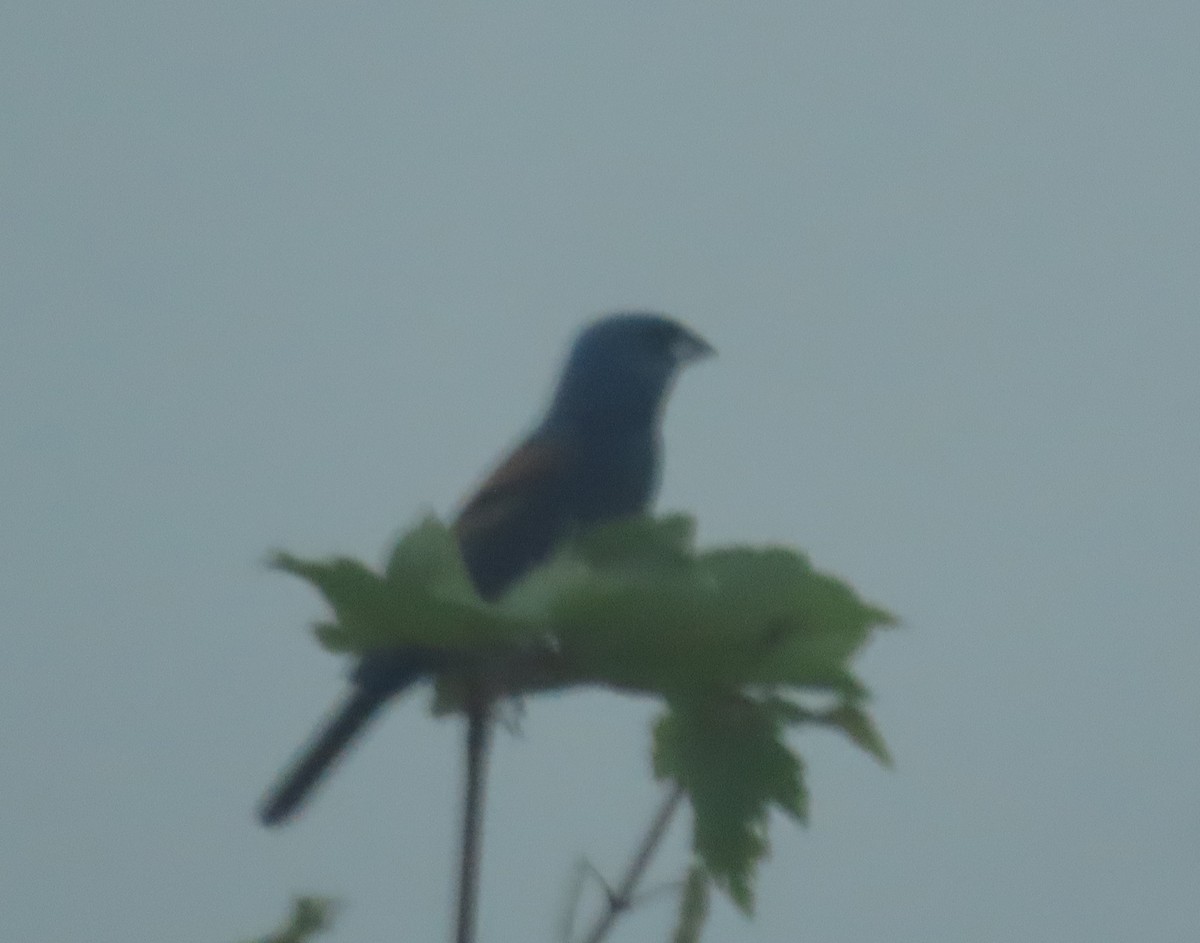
x=516 y=516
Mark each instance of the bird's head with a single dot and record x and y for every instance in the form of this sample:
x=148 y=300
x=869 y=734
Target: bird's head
x=621 y=369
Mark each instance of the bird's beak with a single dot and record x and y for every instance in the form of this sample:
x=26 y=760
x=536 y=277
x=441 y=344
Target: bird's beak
x=689 y=347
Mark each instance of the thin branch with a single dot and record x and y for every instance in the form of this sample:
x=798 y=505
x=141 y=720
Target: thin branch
x=659 y=890
x=584 y=869
x=479 y=727
x=620 y=899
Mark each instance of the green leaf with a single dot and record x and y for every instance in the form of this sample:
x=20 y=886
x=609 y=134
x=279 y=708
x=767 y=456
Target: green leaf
x=427 y=559
x=357 y=596
x=724 y=637
x=310 y=917
x=856 y=724
x=728 y=754
x=637 y=542
x=801 y=627
x=423 y=598
x=693 y=906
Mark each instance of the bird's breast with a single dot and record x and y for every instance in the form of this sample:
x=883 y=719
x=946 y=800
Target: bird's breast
x=618 y=476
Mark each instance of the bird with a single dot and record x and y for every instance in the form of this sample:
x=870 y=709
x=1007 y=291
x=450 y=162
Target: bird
x=594 y=456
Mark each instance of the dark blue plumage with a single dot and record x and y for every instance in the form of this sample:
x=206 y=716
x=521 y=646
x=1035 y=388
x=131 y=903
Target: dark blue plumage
x=595 y=456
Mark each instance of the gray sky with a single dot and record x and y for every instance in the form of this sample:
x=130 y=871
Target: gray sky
x=287 y=275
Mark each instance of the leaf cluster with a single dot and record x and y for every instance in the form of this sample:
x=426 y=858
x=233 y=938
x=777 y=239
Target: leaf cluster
x=725 y=638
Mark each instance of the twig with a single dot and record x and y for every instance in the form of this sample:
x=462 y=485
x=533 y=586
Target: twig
x=479 y=727
x=620 y=899
x=583 y=870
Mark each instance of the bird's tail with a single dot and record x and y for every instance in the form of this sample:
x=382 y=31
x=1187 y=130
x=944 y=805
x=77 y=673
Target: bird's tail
x=320 y=754
x=377 y=679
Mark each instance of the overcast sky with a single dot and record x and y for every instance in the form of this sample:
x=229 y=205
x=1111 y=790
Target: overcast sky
x=289 y=275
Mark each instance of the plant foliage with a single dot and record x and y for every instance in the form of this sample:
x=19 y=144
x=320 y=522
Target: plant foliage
x=725 y=638
x=309 y=918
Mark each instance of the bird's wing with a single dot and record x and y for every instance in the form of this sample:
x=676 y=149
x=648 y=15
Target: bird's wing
x=514 y=519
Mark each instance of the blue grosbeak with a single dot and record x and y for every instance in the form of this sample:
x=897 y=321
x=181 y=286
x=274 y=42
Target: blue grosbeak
x=594 y=457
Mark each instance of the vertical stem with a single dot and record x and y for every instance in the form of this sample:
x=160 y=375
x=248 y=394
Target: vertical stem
x=478 y=733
